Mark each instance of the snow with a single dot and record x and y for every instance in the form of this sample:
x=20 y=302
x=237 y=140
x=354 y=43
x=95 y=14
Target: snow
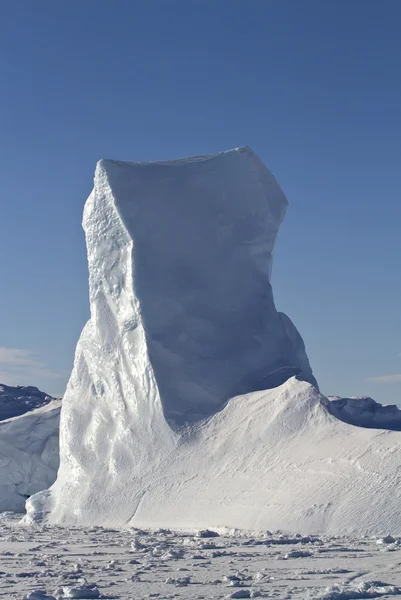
x=273 y=459
x=29 y=455
x=192 y=403
x=44 y=562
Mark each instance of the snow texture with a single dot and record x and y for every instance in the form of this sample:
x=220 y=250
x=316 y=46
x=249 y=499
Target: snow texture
x=17 y=400
x=29 y=455
x=45 y=563
x=168 y=419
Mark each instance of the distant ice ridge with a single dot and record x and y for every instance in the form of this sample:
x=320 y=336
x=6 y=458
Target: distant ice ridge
x=17 y=400
x=164 y=421
x=29 y=455
x=365 y=412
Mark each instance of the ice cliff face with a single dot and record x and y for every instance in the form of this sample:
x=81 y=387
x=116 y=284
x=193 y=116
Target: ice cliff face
x=180 y=255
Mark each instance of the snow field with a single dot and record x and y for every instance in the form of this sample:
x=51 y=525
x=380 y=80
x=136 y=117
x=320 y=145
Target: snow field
x=91 y=562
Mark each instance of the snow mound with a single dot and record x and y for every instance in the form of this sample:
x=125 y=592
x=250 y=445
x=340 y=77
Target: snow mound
x=29 y=455
x=275 y=459
x=17 y=400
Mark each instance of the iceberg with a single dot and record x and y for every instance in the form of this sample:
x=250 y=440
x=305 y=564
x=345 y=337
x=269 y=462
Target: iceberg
x=192 y=403
x=182 y=312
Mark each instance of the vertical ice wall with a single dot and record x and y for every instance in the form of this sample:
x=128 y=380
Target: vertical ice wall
x=198 y=272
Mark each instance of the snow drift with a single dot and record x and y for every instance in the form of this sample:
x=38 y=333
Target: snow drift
x=164 y=421
x=274 y=459
x=29 y=455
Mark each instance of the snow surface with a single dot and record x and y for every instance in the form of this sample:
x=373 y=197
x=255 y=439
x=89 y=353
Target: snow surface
x=182 y=321
x=29 y=455
x=273 y=459
x=51 y=562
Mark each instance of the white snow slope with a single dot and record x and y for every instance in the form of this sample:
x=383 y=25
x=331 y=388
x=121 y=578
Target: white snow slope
x=29 y=455
x=180 y=257
x=275 y=459
x=182 y=320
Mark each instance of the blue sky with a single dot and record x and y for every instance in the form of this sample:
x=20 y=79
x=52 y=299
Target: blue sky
x=313 y=87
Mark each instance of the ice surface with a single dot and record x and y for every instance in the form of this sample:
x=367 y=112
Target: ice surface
x=180 y=256
x=29 y=455
x=182 y=320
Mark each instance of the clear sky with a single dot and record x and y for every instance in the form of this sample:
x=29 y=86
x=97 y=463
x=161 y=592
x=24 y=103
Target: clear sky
x=313 y=86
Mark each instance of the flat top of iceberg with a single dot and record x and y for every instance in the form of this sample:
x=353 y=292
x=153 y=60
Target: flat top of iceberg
x=181 y=161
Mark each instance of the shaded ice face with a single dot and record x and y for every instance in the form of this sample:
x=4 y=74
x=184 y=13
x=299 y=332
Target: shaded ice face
x=202 y=233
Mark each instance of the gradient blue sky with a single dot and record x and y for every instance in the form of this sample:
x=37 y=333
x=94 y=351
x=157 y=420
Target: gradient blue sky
x=313 y=86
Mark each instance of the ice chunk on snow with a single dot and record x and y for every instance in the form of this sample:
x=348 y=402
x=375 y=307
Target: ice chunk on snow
x=362 y=589
x=182 y=310
x=38 y=596
x=81 y=591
